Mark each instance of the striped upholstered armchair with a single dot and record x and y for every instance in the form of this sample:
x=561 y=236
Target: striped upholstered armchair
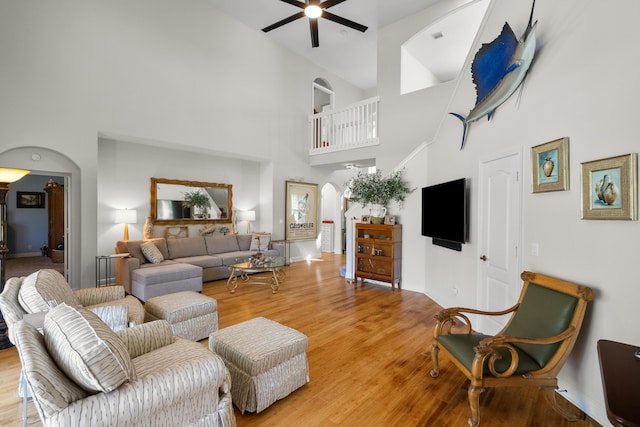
x=37 y=292
x=82 y=373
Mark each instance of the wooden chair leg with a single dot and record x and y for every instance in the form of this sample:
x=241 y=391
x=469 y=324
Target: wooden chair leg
x=434 y=357
x=474 y=402
x=550 y=396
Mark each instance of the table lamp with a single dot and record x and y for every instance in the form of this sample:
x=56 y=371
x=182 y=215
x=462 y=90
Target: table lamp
x=126 y=217
x=247 y=216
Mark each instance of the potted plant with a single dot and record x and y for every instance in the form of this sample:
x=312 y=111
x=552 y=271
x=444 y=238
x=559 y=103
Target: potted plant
x=197 y=199
x=377 y=191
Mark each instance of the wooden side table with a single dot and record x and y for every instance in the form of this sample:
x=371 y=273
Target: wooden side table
x=620 y=369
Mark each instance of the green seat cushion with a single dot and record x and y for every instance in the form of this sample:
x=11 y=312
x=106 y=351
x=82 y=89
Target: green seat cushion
x=461 y=347
x=543 y=313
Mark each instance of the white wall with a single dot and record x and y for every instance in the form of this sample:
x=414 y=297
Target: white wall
x=171 y=74
x=124 y=182
x=583 y=85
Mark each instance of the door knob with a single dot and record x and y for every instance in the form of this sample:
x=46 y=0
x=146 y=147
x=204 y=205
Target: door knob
x=483 y=258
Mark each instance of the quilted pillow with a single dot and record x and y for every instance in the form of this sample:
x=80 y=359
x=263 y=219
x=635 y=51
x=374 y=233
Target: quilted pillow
x=86 y=349
x=40 y=288
x=151 y=252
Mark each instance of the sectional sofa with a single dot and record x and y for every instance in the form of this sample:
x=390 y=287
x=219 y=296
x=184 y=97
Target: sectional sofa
x=184 y=263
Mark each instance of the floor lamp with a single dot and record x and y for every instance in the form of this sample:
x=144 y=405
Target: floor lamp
x=7 y=176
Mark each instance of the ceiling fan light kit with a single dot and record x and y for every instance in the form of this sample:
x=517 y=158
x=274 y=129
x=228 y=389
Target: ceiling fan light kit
x=314 y=10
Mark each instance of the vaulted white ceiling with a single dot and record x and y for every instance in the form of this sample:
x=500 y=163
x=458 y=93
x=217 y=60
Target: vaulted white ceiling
x=343 y=51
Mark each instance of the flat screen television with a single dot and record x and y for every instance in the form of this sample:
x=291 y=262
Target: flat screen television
x=444 y=213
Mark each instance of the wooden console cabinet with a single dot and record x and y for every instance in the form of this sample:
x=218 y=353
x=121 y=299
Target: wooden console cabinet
x=378 y=252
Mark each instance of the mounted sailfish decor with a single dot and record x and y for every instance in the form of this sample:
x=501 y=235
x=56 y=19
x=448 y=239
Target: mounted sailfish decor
x=498 y=69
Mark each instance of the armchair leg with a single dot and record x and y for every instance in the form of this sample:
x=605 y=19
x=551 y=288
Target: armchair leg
x=434 y=357
x=550 y=395
x=474 y=402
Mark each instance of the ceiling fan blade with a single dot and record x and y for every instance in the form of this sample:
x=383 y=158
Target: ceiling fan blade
x=329 y=3
x=284 y=21
x=297 y=3
x=313 y=26
x=344 y=21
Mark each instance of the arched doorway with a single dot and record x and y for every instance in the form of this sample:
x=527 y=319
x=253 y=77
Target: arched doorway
x=323 y=96
x=331 y=210
x=43 y=161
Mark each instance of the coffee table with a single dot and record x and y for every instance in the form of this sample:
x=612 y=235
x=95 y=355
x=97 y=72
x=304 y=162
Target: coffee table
x=243 y=268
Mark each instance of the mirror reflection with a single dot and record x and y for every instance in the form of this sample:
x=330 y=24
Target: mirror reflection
x=176 y=201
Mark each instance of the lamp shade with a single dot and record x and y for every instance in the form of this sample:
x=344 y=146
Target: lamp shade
x=246 y=215
x=9 y=175
x=126 y=216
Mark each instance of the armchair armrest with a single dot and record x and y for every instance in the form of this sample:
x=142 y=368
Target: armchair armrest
x=93 y=296
x=142 y=339
x=447 y=317
x=488 y=348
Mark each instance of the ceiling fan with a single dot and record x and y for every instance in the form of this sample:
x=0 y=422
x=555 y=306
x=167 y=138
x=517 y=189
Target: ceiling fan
x=314 y=9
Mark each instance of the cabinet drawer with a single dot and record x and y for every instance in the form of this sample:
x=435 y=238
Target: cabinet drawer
x=375 y=265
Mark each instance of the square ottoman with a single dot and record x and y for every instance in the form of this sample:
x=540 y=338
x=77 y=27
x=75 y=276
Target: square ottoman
x=191 y=315
x=267 y=361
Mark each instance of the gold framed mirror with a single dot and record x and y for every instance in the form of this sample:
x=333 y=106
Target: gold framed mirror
x=176 y=201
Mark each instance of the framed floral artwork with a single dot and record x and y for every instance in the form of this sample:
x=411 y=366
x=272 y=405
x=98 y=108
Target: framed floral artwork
x=610 y=188
x=550 y=166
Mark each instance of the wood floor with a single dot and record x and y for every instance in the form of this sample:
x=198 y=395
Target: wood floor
x=369 y=358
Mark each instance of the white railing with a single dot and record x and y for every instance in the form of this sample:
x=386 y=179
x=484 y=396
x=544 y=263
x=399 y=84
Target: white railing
x=354 y=126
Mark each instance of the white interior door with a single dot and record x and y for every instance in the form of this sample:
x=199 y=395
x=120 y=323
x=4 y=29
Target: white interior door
x=500 y=237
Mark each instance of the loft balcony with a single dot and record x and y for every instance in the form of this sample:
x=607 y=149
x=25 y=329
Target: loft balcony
x=347 y=128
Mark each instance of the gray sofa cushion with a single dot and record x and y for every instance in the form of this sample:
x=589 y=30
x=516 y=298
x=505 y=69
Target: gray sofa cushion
x=244 y=241
x=220 y=244
x=204 y=261
x=186 y=247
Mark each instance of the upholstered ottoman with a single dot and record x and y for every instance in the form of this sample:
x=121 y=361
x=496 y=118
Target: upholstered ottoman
x=165 y=279
x=267 y=361
x=191 y=315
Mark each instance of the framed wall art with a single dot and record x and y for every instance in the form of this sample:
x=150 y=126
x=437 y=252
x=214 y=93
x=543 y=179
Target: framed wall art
x=610 y=188
x=301 y=211
x=550 y=166
x=30 y=199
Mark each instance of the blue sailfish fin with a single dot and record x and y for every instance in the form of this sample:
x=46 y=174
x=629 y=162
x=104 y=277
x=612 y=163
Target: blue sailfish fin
x=492 y=62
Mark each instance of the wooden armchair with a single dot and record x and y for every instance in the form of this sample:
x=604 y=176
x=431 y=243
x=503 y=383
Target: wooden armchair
x=528 y=352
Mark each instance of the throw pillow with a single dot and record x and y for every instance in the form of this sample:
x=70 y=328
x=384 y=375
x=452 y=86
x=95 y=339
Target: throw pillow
x=260 y=241
x=39 y=289
x=208 y=230
x=151 y=252
x=86 y=349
